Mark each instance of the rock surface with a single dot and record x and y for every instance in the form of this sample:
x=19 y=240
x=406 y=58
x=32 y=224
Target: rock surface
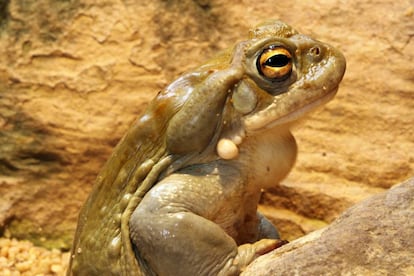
x=74 y=74
x=374 y=237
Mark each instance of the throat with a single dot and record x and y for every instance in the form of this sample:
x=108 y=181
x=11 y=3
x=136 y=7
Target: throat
x=267 y=158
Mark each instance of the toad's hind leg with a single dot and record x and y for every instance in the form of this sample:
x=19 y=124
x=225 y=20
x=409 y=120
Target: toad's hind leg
x=173 y=238
x=266 y=229
x=186 y=244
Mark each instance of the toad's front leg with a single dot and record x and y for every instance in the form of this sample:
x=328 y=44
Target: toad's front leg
x=173 y=236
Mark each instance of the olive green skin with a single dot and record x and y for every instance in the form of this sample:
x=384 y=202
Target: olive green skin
x=167 y=202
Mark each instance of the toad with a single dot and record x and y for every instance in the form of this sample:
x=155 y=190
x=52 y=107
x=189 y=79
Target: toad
x=179 y=194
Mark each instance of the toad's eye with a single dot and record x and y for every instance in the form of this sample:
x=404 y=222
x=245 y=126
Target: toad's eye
x=275 y=63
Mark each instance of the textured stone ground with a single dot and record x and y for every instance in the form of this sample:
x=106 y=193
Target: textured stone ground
x=74 y=74
x=374 y=237
x=23 y=258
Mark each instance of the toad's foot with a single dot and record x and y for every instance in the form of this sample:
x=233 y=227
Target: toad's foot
x=247 y=253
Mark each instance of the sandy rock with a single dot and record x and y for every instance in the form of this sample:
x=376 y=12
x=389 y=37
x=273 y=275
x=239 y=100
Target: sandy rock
x=374 y=237
x=75 y=74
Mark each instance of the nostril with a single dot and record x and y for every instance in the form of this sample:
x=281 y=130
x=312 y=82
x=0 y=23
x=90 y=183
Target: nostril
x=316 y=50
x=316 y=53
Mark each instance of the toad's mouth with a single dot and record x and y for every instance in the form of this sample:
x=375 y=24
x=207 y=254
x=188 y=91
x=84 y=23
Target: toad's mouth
x=272 y=116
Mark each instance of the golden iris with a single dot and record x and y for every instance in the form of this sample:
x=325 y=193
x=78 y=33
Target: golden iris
x=275 y=63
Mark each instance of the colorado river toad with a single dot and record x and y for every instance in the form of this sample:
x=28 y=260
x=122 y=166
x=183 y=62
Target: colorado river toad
x=179 y=194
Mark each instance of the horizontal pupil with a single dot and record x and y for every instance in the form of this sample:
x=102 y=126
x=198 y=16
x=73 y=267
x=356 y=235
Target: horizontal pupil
x=277 y=61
